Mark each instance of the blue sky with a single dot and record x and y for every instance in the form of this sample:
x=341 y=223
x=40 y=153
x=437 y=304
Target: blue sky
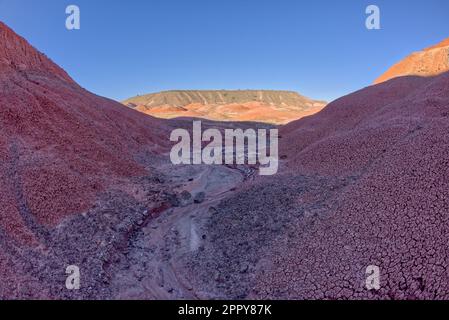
x=318 y=48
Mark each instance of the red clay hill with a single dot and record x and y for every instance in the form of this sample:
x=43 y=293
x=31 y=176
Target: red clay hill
x=390 y=142
x=57 y=139
x=61 y=147
x=363 y=183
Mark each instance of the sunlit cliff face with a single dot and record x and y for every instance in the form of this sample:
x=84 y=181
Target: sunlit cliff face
x=428 y=62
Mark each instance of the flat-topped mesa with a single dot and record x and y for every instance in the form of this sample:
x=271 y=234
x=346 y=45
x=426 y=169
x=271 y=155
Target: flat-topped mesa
x=269 y=106
x=183 y=97
x=429 y=62
x=17 y=55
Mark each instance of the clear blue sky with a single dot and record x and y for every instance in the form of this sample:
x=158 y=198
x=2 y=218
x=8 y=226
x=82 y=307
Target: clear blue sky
x=318 y=48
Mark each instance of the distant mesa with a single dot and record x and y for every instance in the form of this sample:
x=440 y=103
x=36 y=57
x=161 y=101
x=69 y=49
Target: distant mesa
x=428 y=62
x=268 y=106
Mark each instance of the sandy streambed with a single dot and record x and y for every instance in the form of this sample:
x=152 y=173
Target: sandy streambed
x=157 y=251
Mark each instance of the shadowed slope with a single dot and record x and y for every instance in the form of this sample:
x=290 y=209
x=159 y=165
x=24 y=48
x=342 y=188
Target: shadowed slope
x=59 y=144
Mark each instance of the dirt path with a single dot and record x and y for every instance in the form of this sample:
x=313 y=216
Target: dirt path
x=155 y=253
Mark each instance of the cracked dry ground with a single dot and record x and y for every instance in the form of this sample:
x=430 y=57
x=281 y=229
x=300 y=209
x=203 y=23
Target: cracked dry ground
x=211 y=232
x=195 y=232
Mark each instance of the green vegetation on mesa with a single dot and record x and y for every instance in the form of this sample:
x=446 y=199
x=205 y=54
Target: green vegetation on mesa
x=181 y=98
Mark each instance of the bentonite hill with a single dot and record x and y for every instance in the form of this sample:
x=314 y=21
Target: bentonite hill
x=86 y=181
x=64 y=152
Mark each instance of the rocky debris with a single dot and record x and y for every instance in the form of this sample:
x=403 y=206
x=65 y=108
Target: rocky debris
x=172 y=198
x=393 y=140
x=185 y=198
x=96 y=241
x=199 y=197
x=250 y=221
x=213 y=210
